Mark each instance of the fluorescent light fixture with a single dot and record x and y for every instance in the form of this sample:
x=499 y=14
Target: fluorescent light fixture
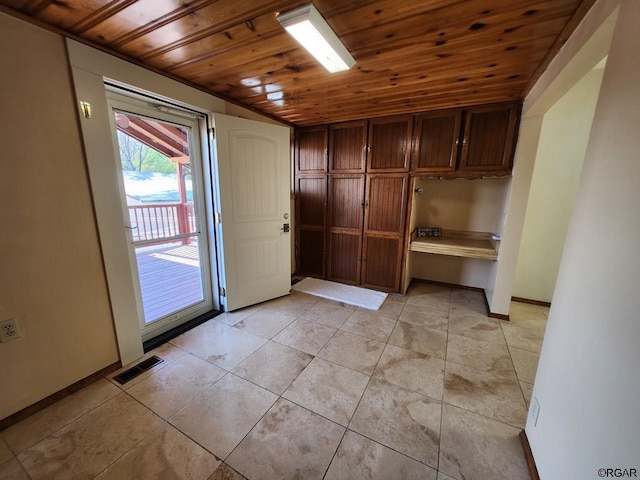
x=308 y=27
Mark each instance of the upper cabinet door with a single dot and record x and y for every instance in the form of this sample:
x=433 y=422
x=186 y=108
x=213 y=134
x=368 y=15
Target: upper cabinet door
x=489 y=136
x=436 y=139
x=389 y=144
x=311 y=149
x=348 y=142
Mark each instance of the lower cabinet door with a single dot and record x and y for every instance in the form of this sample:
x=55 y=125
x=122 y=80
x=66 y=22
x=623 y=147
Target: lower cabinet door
x=382 y=266
x=311 y=252
x=345 y=251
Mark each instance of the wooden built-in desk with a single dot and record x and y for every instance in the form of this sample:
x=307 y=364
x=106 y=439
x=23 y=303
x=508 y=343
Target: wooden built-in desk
x=458 y=244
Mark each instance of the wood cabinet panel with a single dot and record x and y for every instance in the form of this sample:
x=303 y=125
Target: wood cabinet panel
x=489 y=138
x=386 y=203
x=311 y=150
x=311 y=200
x=383 y=262
x=346 y=197
x=311 y=252
x=436 y=138
x=347 y=147
x=345 y=250
x=389 y=144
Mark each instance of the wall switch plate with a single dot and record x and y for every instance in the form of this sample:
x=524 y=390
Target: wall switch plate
x=535 y=411
x=9 y=330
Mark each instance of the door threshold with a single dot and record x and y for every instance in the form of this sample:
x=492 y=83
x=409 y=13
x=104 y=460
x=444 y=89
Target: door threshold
x=179 y=330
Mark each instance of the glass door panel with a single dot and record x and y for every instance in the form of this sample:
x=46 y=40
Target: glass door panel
x=163 y=197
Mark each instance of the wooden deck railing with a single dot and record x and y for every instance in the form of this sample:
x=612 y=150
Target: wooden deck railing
x=162 y=221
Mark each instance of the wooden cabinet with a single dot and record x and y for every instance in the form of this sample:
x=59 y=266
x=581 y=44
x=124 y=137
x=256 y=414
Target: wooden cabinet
x=384 y=225
x=346 y=203
x=389 y=144
x=436 y=140
x=352 y=184
x=311 y=212
x=489 y=135
x=466 y=143
x=348 y=147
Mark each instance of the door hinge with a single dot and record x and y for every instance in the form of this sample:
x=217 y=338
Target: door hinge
x=223 y=292
x=217 y=217
x=212 y=131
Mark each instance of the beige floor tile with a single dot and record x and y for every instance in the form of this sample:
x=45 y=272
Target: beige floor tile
x=5 y=451
x=12 y=470
x=165 y=453
x=87 y=446
x=476 y=447
x=296 y=303
x=425 y=317
x=369 y=324
x=412 y=370
x=231 y=318
x=400 y=419
x=289 y=442
x=328 y=313
x=487 y=356
x=225 y=472
x=273 y=366
x=526 y=364
x=485 y=393
x=219 y=344
x=175 y=386
x=30 y=431
x=444 y=476
x=527 y=391
x=529 y=339
x=419 y=339
x=305 y=336
x=528 y=316
x=329 y=390
x=265 y=323
x=359 y=457
x=167 y=352
x=470 y=299
x=353 y=351
x=391 y=308
x=224 y=414
x=466 y=323
x=429 y=296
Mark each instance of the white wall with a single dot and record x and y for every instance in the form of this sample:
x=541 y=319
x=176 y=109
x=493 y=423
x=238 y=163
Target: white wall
x=471 y=205
x=587 y=46
x=563 y=142
x=52 y=278
x=587 y=381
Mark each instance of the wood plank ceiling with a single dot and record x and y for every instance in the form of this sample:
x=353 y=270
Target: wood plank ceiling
x=411 y=55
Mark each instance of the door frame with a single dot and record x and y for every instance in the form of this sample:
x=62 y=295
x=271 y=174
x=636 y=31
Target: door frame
x=90 y=68
x=196 y=123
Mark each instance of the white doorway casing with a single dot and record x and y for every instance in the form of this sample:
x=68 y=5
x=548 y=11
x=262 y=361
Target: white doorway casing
x=90 y=69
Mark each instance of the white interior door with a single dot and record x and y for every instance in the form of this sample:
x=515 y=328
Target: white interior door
x=252 y=160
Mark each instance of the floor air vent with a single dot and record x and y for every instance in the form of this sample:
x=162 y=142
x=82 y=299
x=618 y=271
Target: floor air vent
x=136 y=370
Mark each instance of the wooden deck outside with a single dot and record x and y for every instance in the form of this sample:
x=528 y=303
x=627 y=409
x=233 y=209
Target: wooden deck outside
x=169 y=278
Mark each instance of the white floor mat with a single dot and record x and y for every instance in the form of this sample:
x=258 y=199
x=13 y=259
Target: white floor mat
x=361 y=297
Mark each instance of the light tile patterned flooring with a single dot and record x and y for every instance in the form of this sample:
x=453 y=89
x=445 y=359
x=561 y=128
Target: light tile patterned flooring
x=427 y=388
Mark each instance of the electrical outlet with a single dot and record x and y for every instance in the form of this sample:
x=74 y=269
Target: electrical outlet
x=9 y=330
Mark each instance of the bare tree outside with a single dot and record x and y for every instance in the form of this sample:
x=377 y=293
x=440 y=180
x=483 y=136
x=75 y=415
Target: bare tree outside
x=138 y=157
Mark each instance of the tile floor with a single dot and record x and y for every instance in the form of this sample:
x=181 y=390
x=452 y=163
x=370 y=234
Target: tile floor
x=428 y=387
